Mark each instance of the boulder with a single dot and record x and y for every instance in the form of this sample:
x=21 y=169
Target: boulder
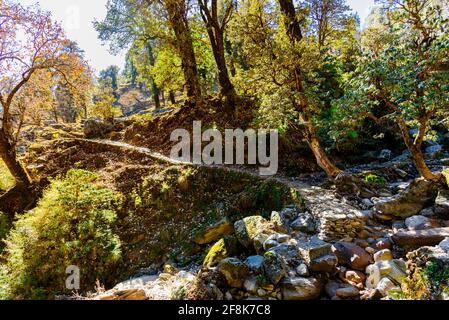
x=385 y=155
x=304 y=223
x=442 y=204
x=255 y=264
x=248 y=228
x=347 y=292
x=351 y=255
x=385 y=286
x=419 y=238
x=235 y=272
x=326 y=263
x=393 y=269
x=95 y=128
x=214 y=232
x=275 y=267
x=416 y=222
x=299 y=288
x=251 y=285
x=280 y=224
x=419 y=194
x=226 y=247
x=355 y=277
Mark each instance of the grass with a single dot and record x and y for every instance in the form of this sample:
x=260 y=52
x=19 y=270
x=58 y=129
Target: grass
x=6 y=180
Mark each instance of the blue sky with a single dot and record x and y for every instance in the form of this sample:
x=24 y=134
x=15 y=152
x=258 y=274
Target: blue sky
x=76 y=17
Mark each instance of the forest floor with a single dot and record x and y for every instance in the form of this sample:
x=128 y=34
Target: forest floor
x=225 y=232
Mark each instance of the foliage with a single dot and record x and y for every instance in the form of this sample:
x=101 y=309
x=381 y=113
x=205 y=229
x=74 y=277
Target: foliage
x=372 y=178
x=72 y=225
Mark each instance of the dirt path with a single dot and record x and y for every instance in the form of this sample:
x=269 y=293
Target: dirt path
x=322 y=203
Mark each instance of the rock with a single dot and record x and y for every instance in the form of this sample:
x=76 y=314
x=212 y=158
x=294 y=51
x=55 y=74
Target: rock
x=355 y=277
x=228 y=246
x=304 y=223
x=255 y=264
x=442 y=204
x=393 y=269
x=214 y=232
x=445 y=174
x=267 y=245
x=361 y=243
x=351 y=255
x=234 y=271
x=416 y=222
x=398 y=225
x=444 y=245
x=302 y=270
x=125 y=294
x=313 y=248
x=136 y=282
x=326 y=263
x=412 y=200
x=248 y=228
x=331 y=288
x=274 y=267
x=383 y=255
x=288 y=252
x=370 y=250
x=347 y=292
x=428 y=212
x=385 y=155
x=258 y=242
x=429 y=237
x=433 y=151
x=385 y=286
x=261 y=292
x=250 y=285
x=289 y=213
x=383 y=243
x=299 y=288
x=95 y=128
x=367 y=203
x=280 y=224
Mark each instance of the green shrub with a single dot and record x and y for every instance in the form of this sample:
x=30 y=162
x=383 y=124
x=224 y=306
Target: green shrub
x=372 y=178
x=5 y=225
x=72 y=225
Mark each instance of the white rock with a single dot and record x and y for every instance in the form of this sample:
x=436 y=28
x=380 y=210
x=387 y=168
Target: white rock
x=383 y=255
x=385 y=285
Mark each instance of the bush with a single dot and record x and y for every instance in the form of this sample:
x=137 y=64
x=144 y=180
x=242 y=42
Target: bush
x=372 y=178
x=72 y=225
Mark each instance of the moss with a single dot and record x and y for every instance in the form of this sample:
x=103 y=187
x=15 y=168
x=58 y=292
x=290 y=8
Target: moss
x=222 y=249
x=446 y=175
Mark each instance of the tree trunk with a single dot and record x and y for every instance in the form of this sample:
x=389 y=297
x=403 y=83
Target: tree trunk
x=320 y=155
x=172 y=97
x=421 y=166
x=9 y=156
x=154 y=88
x=177 y=16
x=215 y=32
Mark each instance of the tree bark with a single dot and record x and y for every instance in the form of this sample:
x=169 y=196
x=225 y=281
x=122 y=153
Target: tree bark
x=177 y=16
x=154 y=88
x=9 y=156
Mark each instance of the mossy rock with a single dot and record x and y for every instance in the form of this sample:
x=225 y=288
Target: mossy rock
x=223 y=248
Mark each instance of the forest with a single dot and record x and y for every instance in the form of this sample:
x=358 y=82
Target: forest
x=93 y=205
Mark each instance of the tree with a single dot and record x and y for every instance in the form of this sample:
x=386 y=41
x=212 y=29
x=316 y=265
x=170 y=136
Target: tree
x=327 y=18
x=294 y=33
x=111 y=72
x=29 y=43
x=408 y=76
x=104 y=100
x=216 y=17
x=177 y=11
